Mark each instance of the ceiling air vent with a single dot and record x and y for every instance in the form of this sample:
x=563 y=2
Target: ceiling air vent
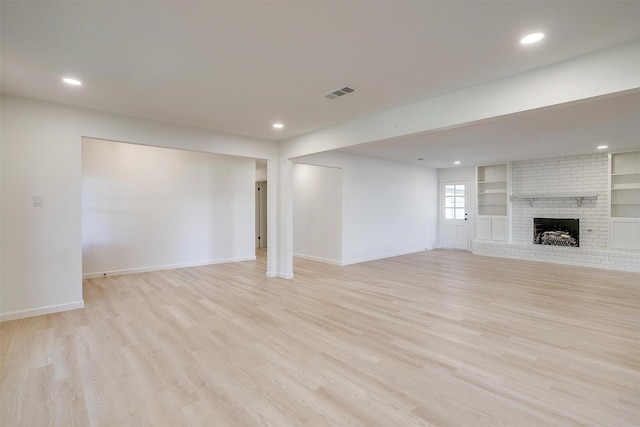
x=340 y=92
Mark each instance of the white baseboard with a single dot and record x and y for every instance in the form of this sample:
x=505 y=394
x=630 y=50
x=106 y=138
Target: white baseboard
x=164 y=267
x=49 y=309
x=316 y=258
x=357 y=261
x=375 y=258
x=272 y=275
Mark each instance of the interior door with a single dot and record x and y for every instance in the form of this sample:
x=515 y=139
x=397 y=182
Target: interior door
x=261 y=215
x=454 y=215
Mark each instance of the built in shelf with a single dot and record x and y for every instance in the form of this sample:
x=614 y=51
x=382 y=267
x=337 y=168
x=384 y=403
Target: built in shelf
x=625 y=199
x=493 y=204
x=626 y=187
x=493 y=192
x=579 y=197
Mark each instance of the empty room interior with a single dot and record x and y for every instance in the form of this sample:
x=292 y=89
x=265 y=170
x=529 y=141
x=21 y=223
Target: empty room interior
x=346 y=213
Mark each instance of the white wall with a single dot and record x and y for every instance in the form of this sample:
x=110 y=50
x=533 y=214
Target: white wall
x=317 y=213
x=41 y=263
x=40 y=268
x=388 y=208
x=147 y=208
x=261 y=170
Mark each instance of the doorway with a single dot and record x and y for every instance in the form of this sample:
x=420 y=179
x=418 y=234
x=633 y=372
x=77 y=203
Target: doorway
x=454 y=215
x=261 y=215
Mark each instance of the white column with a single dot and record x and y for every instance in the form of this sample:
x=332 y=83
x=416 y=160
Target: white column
x=272 y=218
x=285 y=219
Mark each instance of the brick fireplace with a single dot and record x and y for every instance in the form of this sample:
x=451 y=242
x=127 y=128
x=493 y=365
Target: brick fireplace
x=572 y=174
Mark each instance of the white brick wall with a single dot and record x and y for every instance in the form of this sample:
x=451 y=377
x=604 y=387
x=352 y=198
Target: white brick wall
x=598 y=258
x=573 y=174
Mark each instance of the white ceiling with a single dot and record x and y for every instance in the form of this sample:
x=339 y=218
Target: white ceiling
x=564 y=130
x=237 y=66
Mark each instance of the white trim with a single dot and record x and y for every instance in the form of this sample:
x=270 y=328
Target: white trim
x=319 y=259
x=271 y=274
x=31 y=312
x=285 y=276
x=375 y=258
x=164 y=267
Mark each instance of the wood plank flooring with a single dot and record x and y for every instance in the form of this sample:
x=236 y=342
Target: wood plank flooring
x=439 y=338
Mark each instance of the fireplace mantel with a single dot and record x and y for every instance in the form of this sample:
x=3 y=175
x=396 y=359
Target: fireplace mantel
x=579 y=197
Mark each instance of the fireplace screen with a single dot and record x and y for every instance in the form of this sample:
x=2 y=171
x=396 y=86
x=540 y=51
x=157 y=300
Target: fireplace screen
x=556 y=231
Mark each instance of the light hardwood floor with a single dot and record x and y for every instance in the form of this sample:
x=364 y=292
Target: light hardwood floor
x=436 y=338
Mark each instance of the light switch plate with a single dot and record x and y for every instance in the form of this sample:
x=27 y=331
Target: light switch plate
x=38 y=201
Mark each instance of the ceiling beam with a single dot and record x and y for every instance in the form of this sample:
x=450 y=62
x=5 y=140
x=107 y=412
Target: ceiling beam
x=609 y=71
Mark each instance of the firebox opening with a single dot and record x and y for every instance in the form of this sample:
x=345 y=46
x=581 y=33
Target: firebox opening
x=556 y=231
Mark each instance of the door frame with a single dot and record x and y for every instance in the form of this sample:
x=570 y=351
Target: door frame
x=467 y=200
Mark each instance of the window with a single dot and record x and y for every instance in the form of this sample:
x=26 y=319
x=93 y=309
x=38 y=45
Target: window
x=454 y=201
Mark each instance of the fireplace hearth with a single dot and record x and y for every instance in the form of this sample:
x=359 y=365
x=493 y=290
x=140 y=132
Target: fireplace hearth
x=556 y=232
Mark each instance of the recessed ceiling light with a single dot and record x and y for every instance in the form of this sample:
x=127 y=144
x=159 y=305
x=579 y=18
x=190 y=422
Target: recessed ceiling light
x=532 y=38
x=72 y=81
x=278 y=125
x=456 y=162
x=602 y=147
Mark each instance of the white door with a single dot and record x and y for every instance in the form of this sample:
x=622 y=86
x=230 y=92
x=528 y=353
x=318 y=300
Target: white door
x=454 y=216
x=261 y=214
